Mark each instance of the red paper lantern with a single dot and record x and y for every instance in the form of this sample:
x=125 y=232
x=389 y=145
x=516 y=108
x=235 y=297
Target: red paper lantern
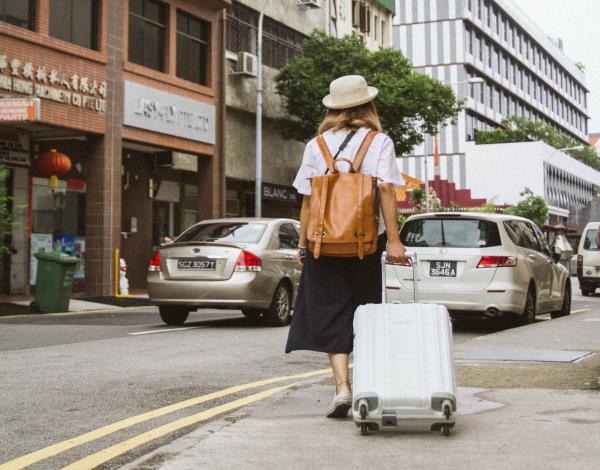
x=53 y=163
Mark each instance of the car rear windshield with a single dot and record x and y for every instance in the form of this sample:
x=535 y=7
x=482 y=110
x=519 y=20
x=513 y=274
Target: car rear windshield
x=459 y=233
x=591 y=240
x=231 y=232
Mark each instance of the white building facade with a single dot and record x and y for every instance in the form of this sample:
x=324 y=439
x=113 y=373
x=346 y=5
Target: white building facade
x=500 y=172
x=521 y=71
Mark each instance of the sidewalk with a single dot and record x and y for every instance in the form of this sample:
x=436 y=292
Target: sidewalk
x=19 y=305
x=529 y=398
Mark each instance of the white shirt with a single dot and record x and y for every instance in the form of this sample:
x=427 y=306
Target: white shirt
x=380 y=160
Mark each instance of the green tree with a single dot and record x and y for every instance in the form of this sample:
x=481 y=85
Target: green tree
x=6 y=218
x=520 y=129
x=532 y=207
x=409 y=104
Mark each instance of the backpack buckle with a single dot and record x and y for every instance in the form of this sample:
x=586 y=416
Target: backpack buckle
x=320 y=234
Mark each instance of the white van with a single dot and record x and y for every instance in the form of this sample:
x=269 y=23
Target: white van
x=588 y=259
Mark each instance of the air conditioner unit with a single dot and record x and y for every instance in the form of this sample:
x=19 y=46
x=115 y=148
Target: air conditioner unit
x=309 y=3
x=246 y=64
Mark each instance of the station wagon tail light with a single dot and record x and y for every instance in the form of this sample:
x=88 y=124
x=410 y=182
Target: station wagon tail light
x=247 y=262
x=154 y=266
x=404 y=262
x=497 y=262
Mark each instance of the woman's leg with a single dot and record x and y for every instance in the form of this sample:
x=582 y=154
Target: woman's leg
x=339 y=366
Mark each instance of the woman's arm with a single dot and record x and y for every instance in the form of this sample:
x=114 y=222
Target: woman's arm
x=304 y=214
x=395 y=249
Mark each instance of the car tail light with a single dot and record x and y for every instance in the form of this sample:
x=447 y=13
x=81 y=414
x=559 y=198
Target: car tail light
x=404 y=262
x=247 y=262
x=154 y=265
x=497 y=262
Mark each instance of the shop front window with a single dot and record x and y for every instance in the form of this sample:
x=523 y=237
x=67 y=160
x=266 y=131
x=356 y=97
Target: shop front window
x=75 y=21
x=58 y=221
x=18 y=12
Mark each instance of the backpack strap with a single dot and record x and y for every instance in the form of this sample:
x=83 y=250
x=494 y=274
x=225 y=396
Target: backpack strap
x=320 y=234
x=326 y=153
x=362 y=151
x=360 y=229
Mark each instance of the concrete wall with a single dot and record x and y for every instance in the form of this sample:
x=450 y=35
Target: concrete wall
x=281 y=158
x=291 y=14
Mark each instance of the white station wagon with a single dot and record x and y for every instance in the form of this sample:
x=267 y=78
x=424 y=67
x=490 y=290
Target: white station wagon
x=480 y=264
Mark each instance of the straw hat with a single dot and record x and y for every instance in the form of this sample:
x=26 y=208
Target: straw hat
x=349 y=91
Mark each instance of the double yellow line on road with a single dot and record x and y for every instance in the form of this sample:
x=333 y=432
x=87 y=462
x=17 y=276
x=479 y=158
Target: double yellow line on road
x=109 y=453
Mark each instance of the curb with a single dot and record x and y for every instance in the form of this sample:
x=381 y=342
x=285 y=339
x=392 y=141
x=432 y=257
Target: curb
x=78 y=312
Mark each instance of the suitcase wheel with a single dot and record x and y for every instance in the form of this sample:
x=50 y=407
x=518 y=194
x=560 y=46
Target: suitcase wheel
x=363 y=411
x=446 y=427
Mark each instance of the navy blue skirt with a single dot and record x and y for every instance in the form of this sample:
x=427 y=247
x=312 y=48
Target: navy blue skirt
x=330 y=290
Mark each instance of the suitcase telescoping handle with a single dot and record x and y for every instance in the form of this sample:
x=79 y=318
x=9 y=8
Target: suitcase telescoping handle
x=413 y=261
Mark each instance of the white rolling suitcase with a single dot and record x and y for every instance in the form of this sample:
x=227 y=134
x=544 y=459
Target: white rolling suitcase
x=403 y=375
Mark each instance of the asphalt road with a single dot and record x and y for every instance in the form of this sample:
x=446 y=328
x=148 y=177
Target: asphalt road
x=63 y=376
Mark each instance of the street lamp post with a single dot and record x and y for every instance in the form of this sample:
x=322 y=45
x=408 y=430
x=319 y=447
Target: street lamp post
x=258 y=177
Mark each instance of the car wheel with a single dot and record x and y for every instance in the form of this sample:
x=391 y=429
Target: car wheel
x=279 y=313
x=566 y=306
x=173 y=315
x=586 y=291
x=530 y=311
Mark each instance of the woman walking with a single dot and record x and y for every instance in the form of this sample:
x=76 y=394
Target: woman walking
x=331 y=288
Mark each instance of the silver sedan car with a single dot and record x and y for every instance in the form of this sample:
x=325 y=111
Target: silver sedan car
x=237 y=263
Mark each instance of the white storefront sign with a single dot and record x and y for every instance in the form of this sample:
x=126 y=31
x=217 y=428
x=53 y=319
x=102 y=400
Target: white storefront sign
x=167 y=113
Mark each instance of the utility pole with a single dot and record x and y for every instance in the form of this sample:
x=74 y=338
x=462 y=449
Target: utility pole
x=426 y=174
x=258 y=178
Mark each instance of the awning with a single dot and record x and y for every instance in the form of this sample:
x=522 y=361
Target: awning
x=410 y=183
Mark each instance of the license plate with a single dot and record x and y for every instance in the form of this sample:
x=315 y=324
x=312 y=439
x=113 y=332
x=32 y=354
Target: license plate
x=199 y=264
x=442 y=268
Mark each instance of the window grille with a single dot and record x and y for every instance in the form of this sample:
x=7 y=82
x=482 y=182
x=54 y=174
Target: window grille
x=281 y=43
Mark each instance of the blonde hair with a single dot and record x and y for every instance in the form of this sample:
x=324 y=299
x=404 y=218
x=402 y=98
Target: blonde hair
x=354 y=118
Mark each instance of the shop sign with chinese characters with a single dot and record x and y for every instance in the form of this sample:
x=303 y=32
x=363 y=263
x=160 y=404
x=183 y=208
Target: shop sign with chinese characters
x=38 y=80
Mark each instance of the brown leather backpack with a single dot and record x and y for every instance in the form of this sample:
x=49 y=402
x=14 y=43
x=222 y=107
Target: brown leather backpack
x=343 y=207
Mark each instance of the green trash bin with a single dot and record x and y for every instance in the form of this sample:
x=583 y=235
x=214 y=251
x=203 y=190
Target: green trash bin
x=53 y=282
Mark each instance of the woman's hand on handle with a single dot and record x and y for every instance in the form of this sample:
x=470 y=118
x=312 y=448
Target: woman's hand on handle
x=396 y=252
